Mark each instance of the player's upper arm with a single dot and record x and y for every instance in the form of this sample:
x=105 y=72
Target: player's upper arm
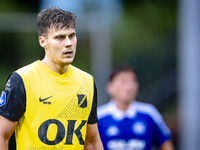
x=6 y=128
x=93 y=114
x=92 y=141
x=167 y=145
x=13 y=98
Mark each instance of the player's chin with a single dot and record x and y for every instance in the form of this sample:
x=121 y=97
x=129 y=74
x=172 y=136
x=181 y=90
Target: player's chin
x=68 y=61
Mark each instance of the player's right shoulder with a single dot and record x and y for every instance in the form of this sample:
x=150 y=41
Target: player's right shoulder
x=13 y=81
x=14 y=77
x=28 y=69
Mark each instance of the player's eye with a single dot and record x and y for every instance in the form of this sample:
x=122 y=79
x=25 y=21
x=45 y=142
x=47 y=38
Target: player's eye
x=72 y=35
x=60 y=37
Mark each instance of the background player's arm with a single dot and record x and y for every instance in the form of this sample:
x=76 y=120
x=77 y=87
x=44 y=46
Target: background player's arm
x=6 y=129
x=167 y=145
x=92 y=140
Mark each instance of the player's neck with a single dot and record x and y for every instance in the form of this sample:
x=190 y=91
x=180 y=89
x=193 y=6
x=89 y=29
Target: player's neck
x=122 y=105
x=55 y=67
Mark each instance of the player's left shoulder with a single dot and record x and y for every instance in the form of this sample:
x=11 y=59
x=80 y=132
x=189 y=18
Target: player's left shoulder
x=80 y=72
x=145 y=106
x=148 y=109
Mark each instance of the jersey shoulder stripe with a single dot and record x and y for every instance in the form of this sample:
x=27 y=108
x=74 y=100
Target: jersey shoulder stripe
x=151 y=111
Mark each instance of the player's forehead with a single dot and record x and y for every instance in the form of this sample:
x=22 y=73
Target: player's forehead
x=125 y=75
x=61 y=31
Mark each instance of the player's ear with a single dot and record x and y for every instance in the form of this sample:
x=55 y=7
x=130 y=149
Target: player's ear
x=42 y=41
x=109 y=89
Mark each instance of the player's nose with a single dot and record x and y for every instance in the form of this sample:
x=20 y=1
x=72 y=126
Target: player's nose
x=68 y=43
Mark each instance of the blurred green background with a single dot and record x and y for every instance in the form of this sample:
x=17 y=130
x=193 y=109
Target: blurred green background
x=145 y=37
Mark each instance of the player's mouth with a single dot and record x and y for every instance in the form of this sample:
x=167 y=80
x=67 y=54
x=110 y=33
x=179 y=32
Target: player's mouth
x=68 y=53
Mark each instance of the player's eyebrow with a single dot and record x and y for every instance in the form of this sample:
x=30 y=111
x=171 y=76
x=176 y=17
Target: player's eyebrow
x=59 y=35
x=73 y=33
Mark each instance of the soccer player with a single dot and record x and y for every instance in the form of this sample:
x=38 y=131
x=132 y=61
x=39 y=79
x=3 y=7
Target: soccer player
x=50 y=103
x=126 y=124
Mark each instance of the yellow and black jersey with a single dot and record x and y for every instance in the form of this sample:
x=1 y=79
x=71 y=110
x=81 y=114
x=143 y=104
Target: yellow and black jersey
x=52 y=110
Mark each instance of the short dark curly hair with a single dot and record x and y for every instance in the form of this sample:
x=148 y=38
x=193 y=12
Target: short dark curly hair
x=122 y=68
x=54 y=17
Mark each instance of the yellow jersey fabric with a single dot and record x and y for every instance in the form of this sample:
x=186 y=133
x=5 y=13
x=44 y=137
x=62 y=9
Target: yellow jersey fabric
x=57 y=108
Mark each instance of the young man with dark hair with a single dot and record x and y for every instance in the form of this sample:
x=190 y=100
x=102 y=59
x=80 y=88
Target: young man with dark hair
x=50 y=103
x=125 y=124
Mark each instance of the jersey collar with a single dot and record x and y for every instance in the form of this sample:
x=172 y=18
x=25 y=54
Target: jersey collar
x=119 y=114
x=54 y=75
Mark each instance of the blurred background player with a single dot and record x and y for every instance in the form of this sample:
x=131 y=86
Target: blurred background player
x=126 y=124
